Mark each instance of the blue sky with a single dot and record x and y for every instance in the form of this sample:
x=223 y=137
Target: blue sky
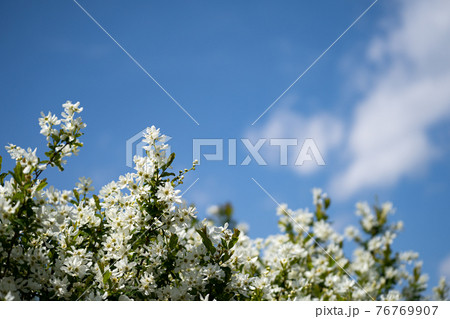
x=377 y=103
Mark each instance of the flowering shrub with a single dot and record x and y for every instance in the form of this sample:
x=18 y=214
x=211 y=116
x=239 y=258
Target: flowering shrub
x=137 y=240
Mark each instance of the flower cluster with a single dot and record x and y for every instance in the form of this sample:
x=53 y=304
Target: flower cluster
x=136 y=239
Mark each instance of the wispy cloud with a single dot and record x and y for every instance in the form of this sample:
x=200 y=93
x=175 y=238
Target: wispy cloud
x=388 y=136
x=444 y=267
x=325 y=130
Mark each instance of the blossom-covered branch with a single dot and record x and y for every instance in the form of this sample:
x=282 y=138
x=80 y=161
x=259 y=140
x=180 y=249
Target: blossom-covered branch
x=137 y=239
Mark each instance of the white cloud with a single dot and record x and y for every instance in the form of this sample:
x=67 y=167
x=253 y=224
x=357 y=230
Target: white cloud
x=326 y=131
x=388 y=137
x=444 y=268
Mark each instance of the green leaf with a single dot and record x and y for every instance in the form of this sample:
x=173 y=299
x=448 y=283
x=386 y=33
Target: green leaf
x=56 y=137
x=165 y=174
x=42 y=184
x=97 y=202
x=59 y=165
x=234 y=238
x=2 y=177
x=224 y=243
x=226 y=256
x=100 y=266
x=327 y=202
x=227 y=271
x=169 y=162
x=77 y=196
x=106 y=276
x=21 y=222
x=27 y=185
x=228 y=210
x=173 y=242
x=17 y=197
x=206 y=241
x=18 y=175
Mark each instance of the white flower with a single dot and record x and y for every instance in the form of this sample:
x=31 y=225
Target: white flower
x=8 y=297
x=322 y=230
x=151 y=135
x=84 y=186
x=351 y=232
x=392 y=295
x=243 y=227
x=46 y=122
x=409 y=256
x=375 y=243
x=75 y=266
x=213 y=210
x=70 y=109
x=168 y=194
x=27 y=158
x=317 y=194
